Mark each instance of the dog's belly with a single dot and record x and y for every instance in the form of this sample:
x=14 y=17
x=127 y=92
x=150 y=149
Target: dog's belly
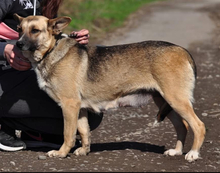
x=133 y=100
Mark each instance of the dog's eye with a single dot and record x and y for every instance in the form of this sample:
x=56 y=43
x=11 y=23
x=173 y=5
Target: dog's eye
x=19 y=29
x=34 y=31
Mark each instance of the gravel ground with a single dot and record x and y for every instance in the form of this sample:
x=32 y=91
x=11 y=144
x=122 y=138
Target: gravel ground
x=126 y=140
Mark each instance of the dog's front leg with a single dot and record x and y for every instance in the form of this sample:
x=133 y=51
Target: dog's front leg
x=70 y=108
x=84 y=131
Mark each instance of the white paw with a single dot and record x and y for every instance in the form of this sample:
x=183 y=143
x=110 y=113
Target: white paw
x=55 y=153
x=81 y=151
x=192 y=156
x=52 y=153
x=173 y=152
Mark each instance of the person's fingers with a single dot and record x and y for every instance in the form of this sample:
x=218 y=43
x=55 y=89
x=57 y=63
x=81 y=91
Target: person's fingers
x=19 y=64
x=15 y=58
x=81 y=38
x=81 y=33
x=84 y=42
x=73 y=34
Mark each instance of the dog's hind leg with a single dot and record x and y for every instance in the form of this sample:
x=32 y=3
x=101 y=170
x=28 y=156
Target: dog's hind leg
x=84 y=131
x=183 y=107
x=181 y=128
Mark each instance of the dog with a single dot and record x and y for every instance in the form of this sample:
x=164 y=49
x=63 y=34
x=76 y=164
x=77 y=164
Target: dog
x=80 y=77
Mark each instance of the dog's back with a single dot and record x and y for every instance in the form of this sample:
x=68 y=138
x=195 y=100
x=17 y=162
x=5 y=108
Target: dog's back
x=130 y=58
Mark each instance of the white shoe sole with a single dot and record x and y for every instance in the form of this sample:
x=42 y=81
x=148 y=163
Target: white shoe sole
x=7 y=148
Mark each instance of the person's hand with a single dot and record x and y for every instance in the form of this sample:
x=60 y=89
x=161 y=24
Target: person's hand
x=15 y=58
x=81 y=36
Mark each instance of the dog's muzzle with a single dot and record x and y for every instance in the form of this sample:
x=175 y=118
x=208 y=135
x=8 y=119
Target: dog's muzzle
x=22 y=46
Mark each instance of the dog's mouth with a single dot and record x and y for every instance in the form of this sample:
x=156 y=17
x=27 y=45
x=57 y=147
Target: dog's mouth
x=32 y=49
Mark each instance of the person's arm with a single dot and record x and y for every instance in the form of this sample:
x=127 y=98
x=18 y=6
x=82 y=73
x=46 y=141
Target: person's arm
x=2 y=48
x=5 y=6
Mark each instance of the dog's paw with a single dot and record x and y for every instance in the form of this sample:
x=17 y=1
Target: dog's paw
x=55 y=153
x=192 y=156
x=82 y=151
x=173 y=152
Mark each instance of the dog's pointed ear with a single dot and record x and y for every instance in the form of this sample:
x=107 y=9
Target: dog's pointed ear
x=58 y=24
x=17 y=18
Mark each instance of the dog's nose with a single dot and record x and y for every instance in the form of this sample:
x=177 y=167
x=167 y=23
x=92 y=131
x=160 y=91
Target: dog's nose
x=19 y=44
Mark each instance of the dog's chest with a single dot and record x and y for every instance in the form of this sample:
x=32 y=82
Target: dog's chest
x=41 y=78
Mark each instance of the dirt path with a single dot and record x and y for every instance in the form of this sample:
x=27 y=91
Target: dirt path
x=178 y=21
x=126 y=141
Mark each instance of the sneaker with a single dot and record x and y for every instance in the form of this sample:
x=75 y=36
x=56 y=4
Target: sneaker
x=10 y=143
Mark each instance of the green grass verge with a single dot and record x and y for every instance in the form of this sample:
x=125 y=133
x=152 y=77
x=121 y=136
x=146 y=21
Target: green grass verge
x=99 y=16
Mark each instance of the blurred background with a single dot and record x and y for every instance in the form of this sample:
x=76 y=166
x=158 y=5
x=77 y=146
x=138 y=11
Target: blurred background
x=99 y=16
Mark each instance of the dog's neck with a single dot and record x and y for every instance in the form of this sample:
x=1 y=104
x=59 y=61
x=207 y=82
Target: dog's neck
x=53 y=44
x=49 y=56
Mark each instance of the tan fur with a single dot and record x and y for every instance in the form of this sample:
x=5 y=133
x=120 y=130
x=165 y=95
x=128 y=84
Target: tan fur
x=100 y=78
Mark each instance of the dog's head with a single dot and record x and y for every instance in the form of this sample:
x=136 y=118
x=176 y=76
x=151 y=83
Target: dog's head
x=37 y=34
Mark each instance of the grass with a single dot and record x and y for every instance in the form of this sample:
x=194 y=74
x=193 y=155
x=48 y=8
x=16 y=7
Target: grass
x=99 y=16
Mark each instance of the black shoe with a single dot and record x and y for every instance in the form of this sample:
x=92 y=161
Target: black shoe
x=38 y=140
x=10 y=143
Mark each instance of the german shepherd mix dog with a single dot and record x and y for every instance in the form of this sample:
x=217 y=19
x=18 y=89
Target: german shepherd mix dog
x=99 y=78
